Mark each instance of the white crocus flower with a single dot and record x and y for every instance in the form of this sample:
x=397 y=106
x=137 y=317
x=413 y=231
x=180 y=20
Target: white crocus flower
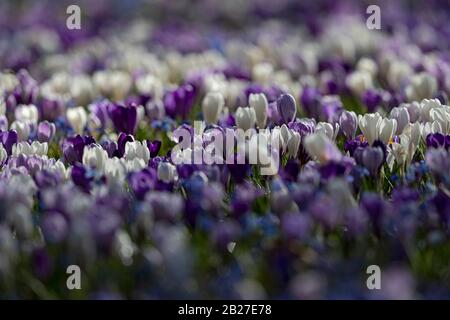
x=150 y=84
x=167 y=172
x=2 y=106
x=137 y=149
x=369 y=125
x=245 y=118
x=35 y=148
x=77 y=118
x=212 y=106
x=387 y=129
x=22 y=128
x=27 y=113
x=285 y=134
x=95 y=156
x=258 y=102
x=328 y=129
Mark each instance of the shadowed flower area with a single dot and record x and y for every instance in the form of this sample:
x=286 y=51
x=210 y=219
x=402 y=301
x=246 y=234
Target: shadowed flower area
x=354 y=123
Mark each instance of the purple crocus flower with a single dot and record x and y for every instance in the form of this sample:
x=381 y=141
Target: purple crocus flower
x=25 y=92
x=436 y=140
x=154 y=147
x=73 y=148
x=123 y=117
x=372 y=159
x=331 y=108
x=46 y=131
x=8 y=139
x=332 y=169
x=287 y=107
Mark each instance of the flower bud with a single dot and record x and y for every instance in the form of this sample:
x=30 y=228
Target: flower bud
x=348 y=122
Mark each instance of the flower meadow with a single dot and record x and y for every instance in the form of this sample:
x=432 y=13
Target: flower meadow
x=361 y=120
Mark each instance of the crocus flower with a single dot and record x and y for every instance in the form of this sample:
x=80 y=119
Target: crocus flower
x=45 y=131
x=77 y=119
x=258 y=102
x=245 y=118
x=387 y=129
x=321 y=148
x=8 y=139
x=124 y=118
x=348 y=122
x=212 y=106
x=287 y=107
x=373 y=158
x=369 y=125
